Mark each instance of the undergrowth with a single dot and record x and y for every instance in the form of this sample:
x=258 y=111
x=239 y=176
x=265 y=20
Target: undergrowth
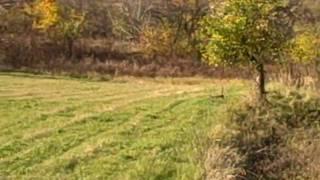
x=275 y=140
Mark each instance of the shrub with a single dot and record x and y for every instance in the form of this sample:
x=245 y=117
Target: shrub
x=275 y=140
x=157 y=40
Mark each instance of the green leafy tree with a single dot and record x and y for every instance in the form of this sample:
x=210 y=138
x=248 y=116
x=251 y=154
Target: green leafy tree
x=243 y=32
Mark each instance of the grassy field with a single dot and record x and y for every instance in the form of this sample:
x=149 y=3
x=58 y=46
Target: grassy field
x=125 y=128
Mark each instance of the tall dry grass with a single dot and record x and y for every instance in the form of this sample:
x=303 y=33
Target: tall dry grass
x=279 y=139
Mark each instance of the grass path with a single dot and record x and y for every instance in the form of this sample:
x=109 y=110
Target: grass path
x=122 y=129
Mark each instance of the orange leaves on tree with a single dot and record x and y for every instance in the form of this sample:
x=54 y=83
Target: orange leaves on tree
x=46 y=13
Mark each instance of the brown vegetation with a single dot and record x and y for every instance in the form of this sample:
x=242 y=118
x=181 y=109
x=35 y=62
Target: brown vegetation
x=120 y=37
x=274 y=140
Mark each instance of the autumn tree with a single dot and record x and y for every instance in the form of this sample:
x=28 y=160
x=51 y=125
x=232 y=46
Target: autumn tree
x=45 y=14
x=59 y=22
x=242 y=32
x=305 y=48
x=70 y=28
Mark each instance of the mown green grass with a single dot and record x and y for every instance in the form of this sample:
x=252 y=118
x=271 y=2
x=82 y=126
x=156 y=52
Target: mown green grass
x=121 y=129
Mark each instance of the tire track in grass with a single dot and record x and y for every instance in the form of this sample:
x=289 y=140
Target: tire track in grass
x=34 y=123
x=85 y=88
x=17 y=146
x=58 y=112
x=175 y=102
x=11 y=111
x=171 y=136
x=93 y=139
x=119 y=96
x=173 y=146
x=14 y=145
x=120 y=105
x=123 y=137
x=70 y=147
x=132 y=145
x=61 y=141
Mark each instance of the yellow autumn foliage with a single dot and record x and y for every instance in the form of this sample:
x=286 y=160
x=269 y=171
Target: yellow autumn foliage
x=157 y=40
x=49 y=16
x=305 y=47
x=45 y=13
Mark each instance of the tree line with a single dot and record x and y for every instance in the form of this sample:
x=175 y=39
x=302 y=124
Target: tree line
x=251 y=33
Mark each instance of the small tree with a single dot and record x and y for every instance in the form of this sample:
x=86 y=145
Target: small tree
x=157 y=40
x=246 y=32
x=305 y=48
x=70 y=28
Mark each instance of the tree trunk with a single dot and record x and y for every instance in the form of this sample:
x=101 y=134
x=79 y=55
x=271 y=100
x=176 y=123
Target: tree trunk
x=69 y=43
x=261 y=81
x=318 y=72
